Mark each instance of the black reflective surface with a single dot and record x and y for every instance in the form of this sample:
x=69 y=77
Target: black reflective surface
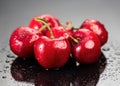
x=27 y=70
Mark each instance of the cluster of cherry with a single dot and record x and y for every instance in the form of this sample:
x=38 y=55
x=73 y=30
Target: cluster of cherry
x=52 y=43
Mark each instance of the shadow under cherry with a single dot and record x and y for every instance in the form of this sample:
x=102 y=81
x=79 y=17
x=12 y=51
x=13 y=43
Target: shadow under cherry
x=28 y=70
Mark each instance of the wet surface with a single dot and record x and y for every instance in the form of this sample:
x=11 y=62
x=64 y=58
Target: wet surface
x=15 y=71
x=29 y=71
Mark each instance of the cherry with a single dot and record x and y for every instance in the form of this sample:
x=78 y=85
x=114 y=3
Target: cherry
x=52 y=43
x=22 y=40
x=50 y=19
x=88 y=49
x=60 y=31
x=64 y=31
x=97 y=27
x=52 y=53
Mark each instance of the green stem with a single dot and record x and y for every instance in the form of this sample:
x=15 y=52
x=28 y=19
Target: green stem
x=43 y=27
x=69 y=23
x=46 y=25
x=75 y=40
x=75 y=28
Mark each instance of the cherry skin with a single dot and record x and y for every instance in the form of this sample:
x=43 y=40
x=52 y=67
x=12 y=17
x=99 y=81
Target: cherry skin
x=22 y=40
x=59 y=31
x=88 y=49
x=97 y=27
x=52 y=53
x=50 y=19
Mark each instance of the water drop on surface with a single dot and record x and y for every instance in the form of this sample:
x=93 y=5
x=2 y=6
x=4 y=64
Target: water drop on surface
x=4 y=77
x=117 y=53
x=105 y=48
x=7 y=67
x=7 y=61
x=111 y=61
x=10 y=56
x=77 y=63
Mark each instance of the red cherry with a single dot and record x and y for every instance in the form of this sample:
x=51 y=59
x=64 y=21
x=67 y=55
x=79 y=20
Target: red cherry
x=50 y=19
x=60 y=31
x=52 y=53
x=97 y=27
x=22 y=40
x=88 y=49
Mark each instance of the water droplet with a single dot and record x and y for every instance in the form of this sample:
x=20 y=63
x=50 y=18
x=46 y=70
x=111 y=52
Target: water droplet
x=77 y=64
x=10 y=56
x=117 y=53
x=3 y=49
x=7 y=67
x=5 y=71
x=118 y=62
x=105 y=48
x=7 y=61
x=111 y=61
x=4 y=77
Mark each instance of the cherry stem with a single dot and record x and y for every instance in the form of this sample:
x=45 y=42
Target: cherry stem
x=42 y=28
x=75 y=28
x=69 y=24
x=45 y=25
x=75 y=40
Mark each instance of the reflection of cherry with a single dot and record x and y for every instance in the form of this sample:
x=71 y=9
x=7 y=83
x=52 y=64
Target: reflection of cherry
x=88 y=75
x=61 y=77
x=52 y=78
x=24 y=69
x=27 y=70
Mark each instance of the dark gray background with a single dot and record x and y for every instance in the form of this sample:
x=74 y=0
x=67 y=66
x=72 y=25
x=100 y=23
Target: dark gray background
x=14 y=13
